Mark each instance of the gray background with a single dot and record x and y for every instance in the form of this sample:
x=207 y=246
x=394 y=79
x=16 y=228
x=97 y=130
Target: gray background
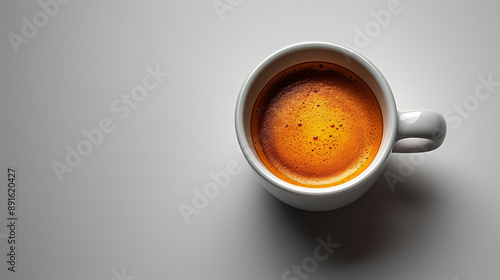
x=116 y=215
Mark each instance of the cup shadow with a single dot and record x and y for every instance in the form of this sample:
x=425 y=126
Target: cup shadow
x=371 y=225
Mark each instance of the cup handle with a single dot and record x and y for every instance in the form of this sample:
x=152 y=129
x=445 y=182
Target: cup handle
x=419 y=131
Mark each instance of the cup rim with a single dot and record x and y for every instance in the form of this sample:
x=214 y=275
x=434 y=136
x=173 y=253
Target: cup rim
x=351 y=185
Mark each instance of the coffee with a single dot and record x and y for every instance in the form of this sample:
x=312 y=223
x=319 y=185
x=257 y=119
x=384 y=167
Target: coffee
x=316 y=125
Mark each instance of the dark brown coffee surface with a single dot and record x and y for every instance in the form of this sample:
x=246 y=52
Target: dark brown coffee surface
x=316 y=124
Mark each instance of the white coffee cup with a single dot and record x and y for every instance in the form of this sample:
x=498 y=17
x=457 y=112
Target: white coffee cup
x=404 y=131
